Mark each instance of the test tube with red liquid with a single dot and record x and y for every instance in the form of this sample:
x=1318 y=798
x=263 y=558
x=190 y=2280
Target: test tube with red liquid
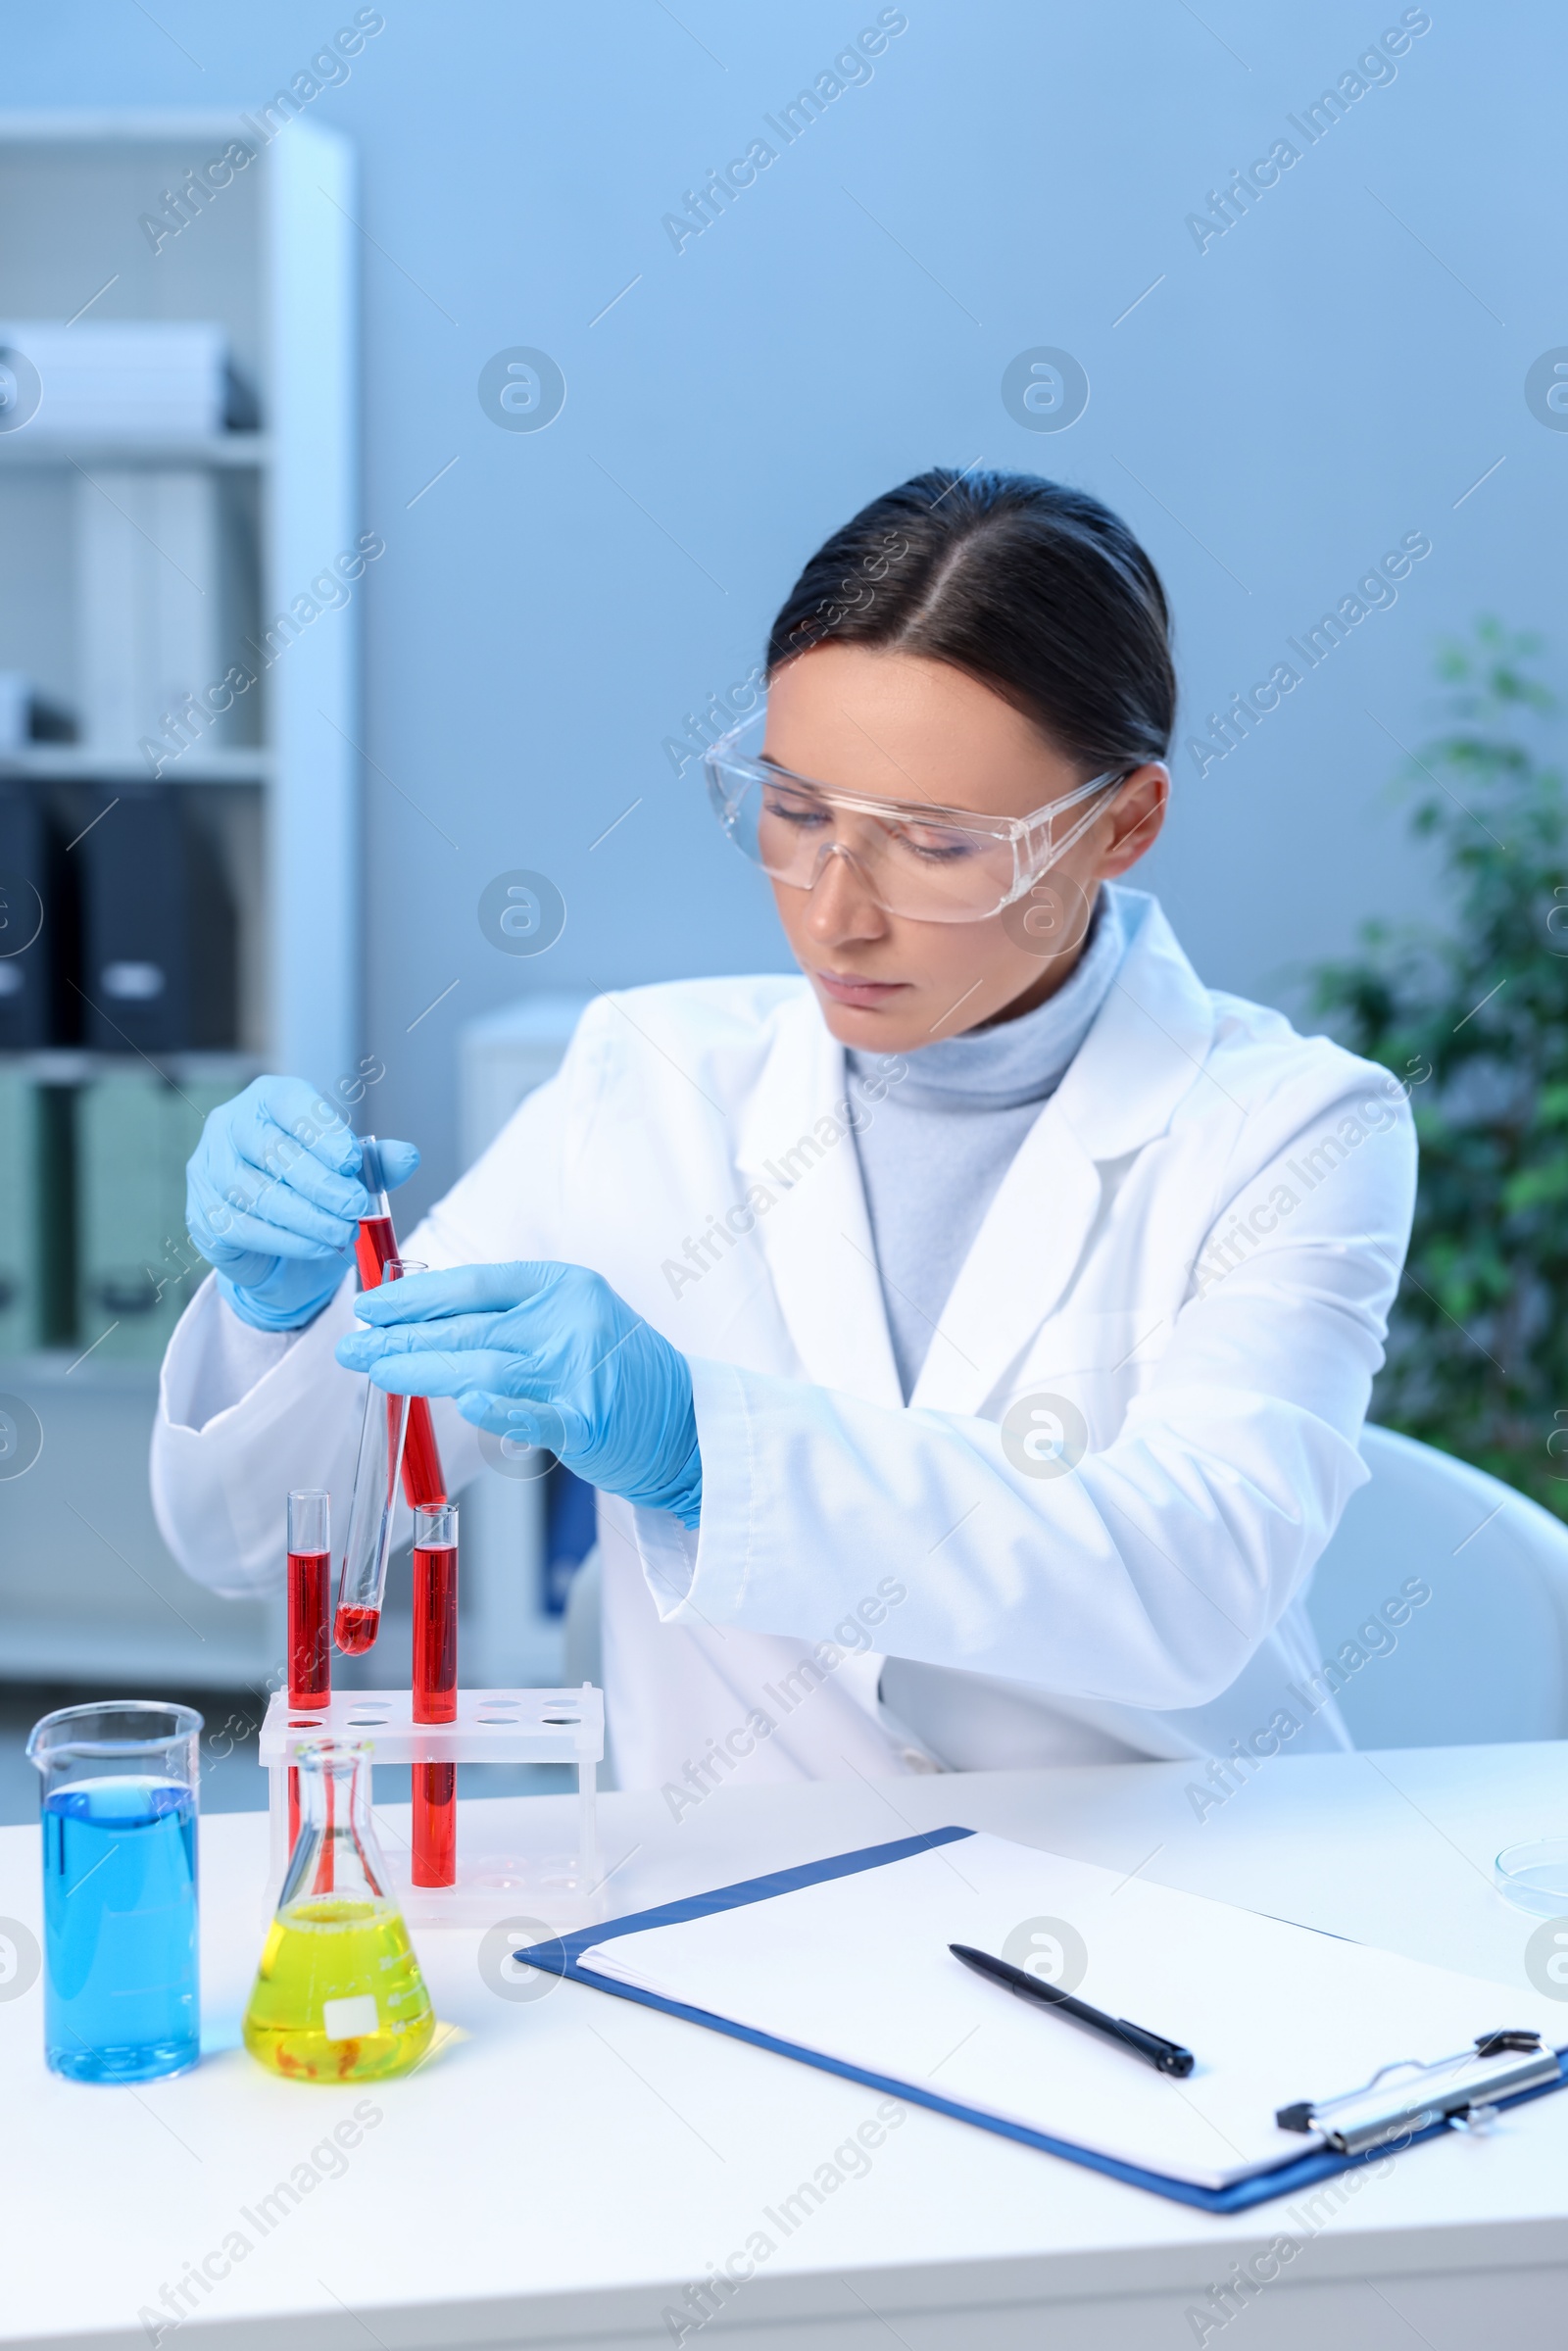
x=310 y=1651
x=435 y=1588
x=423 y=1480
x=372 y=1509
x=435 y=1690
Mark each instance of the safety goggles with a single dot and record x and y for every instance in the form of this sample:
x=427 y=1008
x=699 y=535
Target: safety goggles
x=929 y=863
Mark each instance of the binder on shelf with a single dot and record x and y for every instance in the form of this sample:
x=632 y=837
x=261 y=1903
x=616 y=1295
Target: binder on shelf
x=28 y=715
x=124 y=1228
x=55 y=1228
x=844 y=1965
x=150 y=571
x=156 y=929
x=16 y=709
x=21 y=1169
x=137 y=1269
x=28 y=939
x=125 y=379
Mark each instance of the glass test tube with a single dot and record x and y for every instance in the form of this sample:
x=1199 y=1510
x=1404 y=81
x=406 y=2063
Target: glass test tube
x=374 y=1244
x=376 y=1240
x=310 y=1548
x=310 y=1644
x=435 y=1690
x=373 y=1507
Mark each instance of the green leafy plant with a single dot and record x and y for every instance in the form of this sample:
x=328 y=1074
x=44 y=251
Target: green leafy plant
x=1473 y=1021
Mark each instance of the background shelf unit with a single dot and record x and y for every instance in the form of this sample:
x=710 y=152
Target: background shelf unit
x=273 y=261
x=63 y=451
x=86 y=1588
x=71 y=762
x=88 y=1593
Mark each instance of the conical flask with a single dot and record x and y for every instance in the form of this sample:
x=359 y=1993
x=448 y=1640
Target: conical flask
x=338 y=1994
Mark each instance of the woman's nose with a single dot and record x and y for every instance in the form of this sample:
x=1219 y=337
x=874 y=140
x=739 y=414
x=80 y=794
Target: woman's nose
x=838 y=904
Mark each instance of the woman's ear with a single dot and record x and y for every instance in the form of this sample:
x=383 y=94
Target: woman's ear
x=1135 y=819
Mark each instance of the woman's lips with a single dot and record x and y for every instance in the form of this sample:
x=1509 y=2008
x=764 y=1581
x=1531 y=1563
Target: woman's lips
x=845 y=988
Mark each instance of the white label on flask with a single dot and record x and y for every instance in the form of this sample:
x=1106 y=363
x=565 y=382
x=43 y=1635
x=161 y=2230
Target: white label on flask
x=349 y=2020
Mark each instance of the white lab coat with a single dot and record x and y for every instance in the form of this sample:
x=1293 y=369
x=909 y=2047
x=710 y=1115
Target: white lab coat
x=1196 y=1246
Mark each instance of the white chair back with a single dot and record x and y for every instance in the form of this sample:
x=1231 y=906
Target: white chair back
x=1486 y=1656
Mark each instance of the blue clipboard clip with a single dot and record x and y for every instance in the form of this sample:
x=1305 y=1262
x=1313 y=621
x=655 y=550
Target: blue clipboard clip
x=1465 y=2089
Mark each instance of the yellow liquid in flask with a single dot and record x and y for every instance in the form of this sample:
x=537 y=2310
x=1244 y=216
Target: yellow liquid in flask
x=338 y=1996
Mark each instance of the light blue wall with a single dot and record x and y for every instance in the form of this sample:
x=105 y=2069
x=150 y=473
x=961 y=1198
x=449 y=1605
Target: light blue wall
x=1335 y=371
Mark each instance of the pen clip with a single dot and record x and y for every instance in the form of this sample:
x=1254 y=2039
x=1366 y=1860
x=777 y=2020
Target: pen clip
x=1169 y=2057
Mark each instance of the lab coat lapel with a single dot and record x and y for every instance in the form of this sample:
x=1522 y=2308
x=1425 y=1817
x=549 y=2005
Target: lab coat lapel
x=1018 y=1265
x=1143 y=1052
x=794 y=1144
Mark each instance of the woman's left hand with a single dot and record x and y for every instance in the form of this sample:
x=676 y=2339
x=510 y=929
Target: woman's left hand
x=548 y=1354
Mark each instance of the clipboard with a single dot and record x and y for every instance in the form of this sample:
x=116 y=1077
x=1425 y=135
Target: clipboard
x=1418 y=2107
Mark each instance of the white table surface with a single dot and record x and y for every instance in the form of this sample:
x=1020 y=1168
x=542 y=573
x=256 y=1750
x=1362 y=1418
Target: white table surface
x=568 y=2165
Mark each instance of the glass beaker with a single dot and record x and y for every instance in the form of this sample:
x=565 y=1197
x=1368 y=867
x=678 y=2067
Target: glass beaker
x=121 y=1989
x=338 y=1994
x=373 y=1507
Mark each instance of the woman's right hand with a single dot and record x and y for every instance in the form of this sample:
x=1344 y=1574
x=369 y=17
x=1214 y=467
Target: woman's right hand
x=273 y=1200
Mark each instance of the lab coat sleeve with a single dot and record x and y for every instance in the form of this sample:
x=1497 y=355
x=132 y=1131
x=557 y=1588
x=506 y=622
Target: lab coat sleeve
x=1150 y=1572
x=246 y=1415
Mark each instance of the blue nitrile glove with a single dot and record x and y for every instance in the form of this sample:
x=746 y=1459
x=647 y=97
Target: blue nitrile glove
x=273 y=1201
x=548 y=1353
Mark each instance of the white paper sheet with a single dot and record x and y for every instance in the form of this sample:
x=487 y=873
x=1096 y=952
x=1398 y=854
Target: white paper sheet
x=858 y=1968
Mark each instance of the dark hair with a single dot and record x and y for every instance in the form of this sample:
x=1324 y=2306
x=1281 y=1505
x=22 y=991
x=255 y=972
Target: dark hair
x=1035 y=590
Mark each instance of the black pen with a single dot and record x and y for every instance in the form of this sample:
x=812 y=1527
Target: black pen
x=1168 y=2056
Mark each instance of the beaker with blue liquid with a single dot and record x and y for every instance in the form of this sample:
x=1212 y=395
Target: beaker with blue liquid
x=121 y=1989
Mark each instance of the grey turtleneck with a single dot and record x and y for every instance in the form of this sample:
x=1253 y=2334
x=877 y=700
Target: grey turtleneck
x=939 y=1143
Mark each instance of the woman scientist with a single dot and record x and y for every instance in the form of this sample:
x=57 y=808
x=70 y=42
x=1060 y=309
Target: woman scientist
x=969 y=1338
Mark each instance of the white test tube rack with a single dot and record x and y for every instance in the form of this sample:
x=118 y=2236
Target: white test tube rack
x=492 y=1726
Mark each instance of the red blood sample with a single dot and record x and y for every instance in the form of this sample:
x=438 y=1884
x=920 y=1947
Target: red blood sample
x=435 y=1701
x=355 y=1630
x=310 y=1654
x=374 y=1243
x=435 y=1824
x=309 y=1651
x=435 y=1634
x=435 y=1607
x=423 y=1478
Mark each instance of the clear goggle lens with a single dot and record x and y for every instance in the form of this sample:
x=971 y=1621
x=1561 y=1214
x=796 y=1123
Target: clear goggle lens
x=932 y=865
